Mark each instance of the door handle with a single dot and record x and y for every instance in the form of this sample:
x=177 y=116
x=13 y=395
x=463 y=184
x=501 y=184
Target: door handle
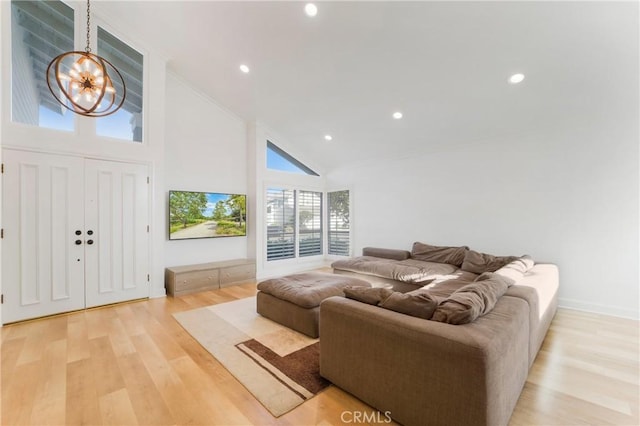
x=89 y=232
x=78 y=232
x=89 y=242
x=78 y=242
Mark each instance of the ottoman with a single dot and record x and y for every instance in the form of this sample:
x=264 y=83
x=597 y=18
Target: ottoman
x=294 y=300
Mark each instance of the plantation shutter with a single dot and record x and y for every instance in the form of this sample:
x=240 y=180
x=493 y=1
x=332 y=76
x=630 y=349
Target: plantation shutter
x=281 y=219
x=309 y=223
x=338 y=223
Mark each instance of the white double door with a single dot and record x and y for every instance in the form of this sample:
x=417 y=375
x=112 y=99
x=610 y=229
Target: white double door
x=75 y=233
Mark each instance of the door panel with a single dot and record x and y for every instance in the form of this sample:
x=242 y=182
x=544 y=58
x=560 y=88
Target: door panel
x=61 y=246
x=42 y=267
x=116 y=210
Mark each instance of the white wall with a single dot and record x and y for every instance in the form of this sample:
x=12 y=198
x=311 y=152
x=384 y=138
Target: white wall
x=569 y=197
x=206 y=150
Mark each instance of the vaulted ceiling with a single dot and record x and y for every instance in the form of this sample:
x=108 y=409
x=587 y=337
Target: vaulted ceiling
x=444 y=65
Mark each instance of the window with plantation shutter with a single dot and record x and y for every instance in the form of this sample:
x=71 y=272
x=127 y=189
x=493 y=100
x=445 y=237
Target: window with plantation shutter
x=281 y=224
x=294 y=223
x=338 y=232
x=309 y=223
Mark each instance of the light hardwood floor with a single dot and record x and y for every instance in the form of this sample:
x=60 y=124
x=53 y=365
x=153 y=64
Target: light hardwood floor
x=133 y=364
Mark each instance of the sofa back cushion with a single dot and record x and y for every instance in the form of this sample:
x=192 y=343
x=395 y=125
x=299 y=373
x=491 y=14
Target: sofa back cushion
x=481 y=262
x=417 y=303
x=386 y=253
x=473 y=300
x=440 y=254
x=370 y=296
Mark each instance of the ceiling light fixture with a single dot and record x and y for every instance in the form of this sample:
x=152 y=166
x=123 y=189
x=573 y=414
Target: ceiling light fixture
x=311 y=9
x=244 y=69
x=82 y=82
x=397 y=115
x=328 y=137
x=516 y=78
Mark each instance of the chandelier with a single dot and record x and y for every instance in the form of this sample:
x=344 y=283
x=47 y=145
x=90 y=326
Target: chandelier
x=82 y=82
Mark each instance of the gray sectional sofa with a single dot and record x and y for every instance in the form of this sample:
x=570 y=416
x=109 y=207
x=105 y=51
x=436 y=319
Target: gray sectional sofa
x=426 y=372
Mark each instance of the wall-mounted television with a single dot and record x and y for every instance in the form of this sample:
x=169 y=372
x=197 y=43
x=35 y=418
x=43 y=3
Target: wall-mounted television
x=206 y=215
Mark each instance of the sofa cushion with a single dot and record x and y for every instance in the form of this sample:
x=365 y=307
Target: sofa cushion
x=371 y=296
x=418 y=303
x=473 y=300
x=481 y=262
x=451 y=255
x=386 y=253
x=516 y=268
x=308 y=289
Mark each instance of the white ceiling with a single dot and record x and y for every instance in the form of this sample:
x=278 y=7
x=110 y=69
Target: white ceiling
x=443 y=64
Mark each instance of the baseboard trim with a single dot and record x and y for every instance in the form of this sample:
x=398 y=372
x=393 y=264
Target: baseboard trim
x=615 y=311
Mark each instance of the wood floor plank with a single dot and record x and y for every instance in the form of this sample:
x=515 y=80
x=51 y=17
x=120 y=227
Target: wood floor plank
x=78 y=347
x=147 y=402
x=208 y=392
x=127 y=317
x=98 y=321
x=542 y=406
x=176 y=395
x=82 y=401
x=11 y=350
x=18 y=396
x=35 y=339
x=50 y=398
x=116 y=409
x=157 y=331
x=105 y=369
x=134 y=364
x=119 y=338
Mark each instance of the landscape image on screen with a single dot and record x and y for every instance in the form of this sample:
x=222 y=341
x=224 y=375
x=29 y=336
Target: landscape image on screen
x=206 y=215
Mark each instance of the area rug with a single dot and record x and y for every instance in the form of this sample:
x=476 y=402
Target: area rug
x=279 y=366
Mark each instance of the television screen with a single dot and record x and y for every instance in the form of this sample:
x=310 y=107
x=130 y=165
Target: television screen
x=206 y=215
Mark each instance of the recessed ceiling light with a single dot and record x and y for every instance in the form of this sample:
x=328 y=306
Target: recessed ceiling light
x=244 y=69
x=311 y=9
x=328 y=137
x=516 y=78
x=397 y=115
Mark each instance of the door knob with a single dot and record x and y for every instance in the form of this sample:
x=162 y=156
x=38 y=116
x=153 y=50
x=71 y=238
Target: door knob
x=78 y=242
x=89 y=242
x=90 y=232
x=78 y=232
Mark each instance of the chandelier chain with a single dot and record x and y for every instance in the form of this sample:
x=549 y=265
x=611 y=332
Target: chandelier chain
x=88 y=48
